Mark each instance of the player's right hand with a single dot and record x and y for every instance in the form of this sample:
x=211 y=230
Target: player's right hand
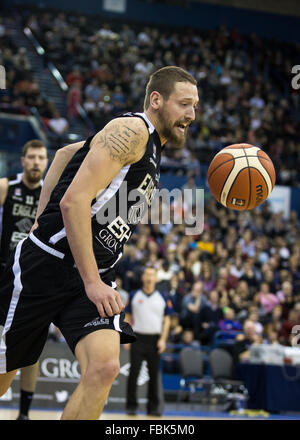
x=106 y=299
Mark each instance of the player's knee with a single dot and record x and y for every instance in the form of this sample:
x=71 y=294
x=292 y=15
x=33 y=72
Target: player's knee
x=103 y=373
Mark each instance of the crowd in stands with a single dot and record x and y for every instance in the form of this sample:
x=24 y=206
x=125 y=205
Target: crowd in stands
x=244 y=81
x=243 y=270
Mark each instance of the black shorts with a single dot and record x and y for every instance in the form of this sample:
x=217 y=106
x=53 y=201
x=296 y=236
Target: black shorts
x=38 y=288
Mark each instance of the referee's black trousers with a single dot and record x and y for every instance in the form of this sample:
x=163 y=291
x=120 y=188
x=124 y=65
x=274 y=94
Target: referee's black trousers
x=145 y=348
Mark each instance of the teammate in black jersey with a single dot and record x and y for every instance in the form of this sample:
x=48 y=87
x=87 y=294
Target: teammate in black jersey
x=19 y=196
x=64 y=271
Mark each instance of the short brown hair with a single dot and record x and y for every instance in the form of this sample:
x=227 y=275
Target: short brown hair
x=34 y=143
x=163 y=81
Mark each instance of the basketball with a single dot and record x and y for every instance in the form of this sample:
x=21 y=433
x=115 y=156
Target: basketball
x=241 y=176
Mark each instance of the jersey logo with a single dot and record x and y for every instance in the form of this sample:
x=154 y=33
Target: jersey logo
x=24 y=225
x=18 y=192
x=148 y=188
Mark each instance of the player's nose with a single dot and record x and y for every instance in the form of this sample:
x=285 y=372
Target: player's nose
x=190 y=114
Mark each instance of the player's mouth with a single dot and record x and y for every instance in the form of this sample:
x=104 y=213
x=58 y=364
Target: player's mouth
x=182 y=127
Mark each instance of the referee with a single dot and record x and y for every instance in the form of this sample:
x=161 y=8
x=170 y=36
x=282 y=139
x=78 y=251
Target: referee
x=149 y=312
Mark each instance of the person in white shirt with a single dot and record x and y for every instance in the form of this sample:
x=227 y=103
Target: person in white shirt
x=149 y=312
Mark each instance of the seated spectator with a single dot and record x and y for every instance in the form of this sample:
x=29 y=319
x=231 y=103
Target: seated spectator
x=259 y=328
x=58 y=124
x=243 y=342
x=176 y=329
x=287 y=326
x=207 y=320
x=285 y=291
x=247 y=243
x=73 y=100
x=192 y=304
x=188 y=338
x=206 y=277
x=176 y=292
x=266 y=300
x=237 y=269
x=272 y=336
x=229 y=323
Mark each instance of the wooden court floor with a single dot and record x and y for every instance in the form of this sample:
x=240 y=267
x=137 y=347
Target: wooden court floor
x=11 y=414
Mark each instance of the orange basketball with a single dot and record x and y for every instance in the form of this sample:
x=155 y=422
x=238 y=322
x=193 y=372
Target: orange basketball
x=241 y=176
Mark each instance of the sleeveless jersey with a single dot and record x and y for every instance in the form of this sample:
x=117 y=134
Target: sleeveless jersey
x=115 y=213
x=18 y=213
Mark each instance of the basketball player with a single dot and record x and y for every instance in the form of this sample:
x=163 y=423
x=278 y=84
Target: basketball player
x=19 y=197
x=64 y=271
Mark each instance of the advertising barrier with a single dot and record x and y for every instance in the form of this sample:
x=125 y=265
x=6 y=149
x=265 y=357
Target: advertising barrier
x=59 y=374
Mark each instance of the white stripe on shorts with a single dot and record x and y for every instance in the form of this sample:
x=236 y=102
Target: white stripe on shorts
x=46 y=248
x=12 y=306
x=117 y=323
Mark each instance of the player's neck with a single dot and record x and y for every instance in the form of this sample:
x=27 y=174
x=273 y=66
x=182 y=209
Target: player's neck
x=29 y=184
x=154 y=120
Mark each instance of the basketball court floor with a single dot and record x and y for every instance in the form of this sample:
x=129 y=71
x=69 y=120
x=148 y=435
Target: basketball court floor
x=171 y=413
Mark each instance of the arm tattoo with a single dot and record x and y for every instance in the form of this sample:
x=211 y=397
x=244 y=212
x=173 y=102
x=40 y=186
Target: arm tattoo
x=122 y=142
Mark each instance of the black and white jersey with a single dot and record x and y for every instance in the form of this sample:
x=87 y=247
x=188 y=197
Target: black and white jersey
x=115 y=213
x=18 y=213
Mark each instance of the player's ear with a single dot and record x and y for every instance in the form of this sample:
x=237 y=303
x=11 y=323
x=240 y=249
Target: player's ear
x=155 y=100
x=22 y=160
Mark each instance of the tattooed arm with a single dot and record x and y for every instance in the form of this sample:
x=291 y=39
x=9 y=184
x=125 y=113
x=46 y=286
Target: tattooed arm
x=121 y=142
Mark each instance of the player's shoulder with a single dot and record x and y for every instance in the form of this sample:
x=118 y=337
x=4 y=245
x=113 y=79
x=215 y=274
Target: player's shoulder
x=126 y=138
x=133 y=126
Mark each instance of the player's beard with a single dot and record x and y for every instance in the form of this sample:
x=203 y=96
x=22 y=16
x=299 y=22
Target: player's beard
x=34 y=175
x=170 y=132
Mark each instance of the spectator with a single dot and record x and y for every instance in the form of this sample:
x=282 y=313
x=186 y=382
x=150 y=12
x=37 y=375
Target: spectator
x=74 y=100
x=208 y=319
x=229 y=323
x=287 y=326
x=207 y=278
x=192 y=303
x=243 y=342
x=266 y=300
x=58 y=125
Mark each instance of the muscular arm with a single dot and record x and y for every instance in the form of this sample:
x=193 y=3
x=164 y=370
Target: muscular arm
x=121 y=142
x=61 y=159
